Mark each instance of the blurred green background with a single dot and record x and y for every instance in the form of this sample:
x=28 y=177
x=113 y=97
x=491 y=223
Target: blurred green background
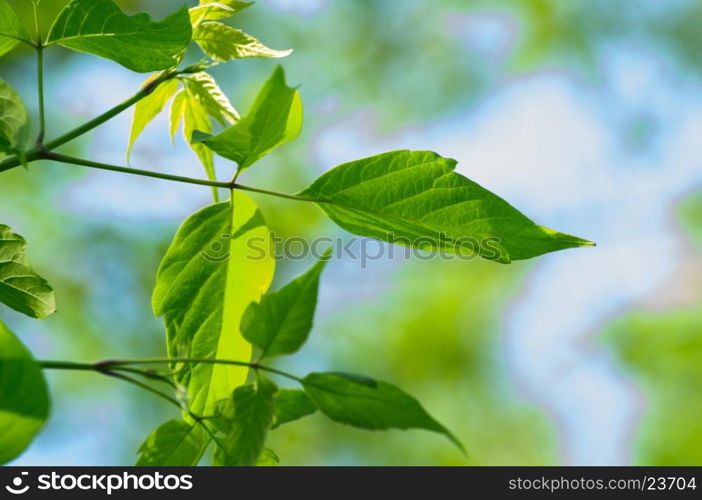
x=587 y=115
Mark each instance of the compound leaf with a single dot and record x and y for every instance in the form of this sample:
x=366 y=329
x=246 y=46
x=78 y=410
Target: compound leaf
x=281 y=322
x=219 y=262
x=213 y=11
x=415 y=198
x=175 y=443
x=24 y=397
x=148 y=108
x=369 y=404
x=274 y=119
x=224 y=43
x=20 y=287
x=137 y=42
x=211 y=98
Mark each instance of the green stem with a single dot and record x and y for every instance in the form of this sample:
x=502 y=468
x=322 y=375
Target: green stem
x=50 y=155
x=61 y=158
x=274 y=193
x=40 y=90
x=115 y=364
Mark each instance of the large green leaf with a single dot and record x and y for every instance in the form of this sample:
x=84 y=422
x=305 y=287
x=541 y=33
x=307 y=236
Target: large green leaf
x=369 y=404
x=213 y=11
x=12 y=31
x=291 y=405
x=13 y=116
x=24 y=398
x=148 y=108
x=224 y=43
x=219 y=262
x=136 y=42
x=175 y=443
x=414 y=198
x=249 y=413
x=281 y=322
x=20 y=287
x=274 y=119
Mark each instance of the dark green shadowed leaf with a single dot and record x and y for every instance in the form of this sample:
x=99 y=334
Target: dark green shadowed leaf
x=24 y=398
x=291 y=405
x=13 y=116
x=369 y=404
x=268 y=458
x=148 y=108
x=415 y=198
x=136 y=42
x=274 y=119
x=250 y=415
x=281 y=322
x=12 y=31
x=213 y=11
x=224 y=43
x=20 y=287
x=219 y=262
x=175 y=443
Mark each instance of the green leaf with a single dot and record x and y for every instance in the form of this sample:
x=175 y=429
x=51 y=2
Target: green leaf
x=175 y=443
x=281 y=322
x=274 y=119
x=148 y=108
x=211 y=98
x=175 y=117
x=13 y=116
x=414 y=198
x=291 y=405
x=136 y=42
x=369 y=404
x=268 y=458
x=213 y=11
x=224 y=43
x=12 y=31
x=250 y=415
x=20 y=287
x=24 y=398
x=219 y=262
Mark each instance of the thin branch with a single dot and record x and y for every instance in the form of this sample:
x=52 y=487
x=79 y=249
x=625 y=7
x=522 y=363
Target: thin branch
x=61 y=158
x=115 y=364
x=50 y=155
x=40 y=90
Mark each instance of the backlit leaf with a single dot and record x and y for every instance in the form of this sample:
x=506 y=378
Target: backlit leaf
x=148 y=108
x=12 y=31
x=219 y=262
x=24 y=398
x=213 y=11
x=13 y=116
x=136 y=42
x=175 y=443
x=415 y=198
x=274 y=119
x=20 y=287
x=223 y=43
x=211 y=97
x=281 y=322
